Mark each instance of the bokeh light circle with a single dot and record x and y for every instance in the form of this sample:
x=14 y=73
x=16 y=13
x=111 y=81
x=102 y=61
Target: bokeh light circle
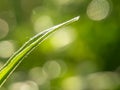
x=28 y=85
x=38 y=75
x=6 y=49
x=63 y=37
x=53 y=69
x=98 y=9
x=103 y=81
x=43 y=22
x=4 y=28
x=72 y=83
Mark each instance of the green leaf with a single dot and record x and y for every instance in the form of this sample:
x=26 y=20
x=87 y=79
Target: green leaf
x=31 y=44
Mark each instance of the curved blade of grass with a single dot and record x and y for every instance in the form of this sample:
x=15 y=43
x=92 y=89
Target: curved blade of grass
x=16 y=58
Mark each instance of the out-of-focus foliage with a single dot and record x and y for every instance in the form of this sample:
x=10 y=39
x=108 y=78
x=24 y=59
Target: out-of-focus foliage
x=83 y=56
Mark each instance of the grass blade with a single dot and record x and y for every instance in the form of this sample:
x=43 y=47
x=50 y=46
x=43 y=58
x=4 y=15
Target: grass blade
x=17 y=57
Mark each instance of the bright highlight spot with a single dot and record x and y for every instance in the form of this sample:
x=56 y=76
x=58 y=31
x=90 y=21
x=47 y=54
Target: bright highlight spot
x=6 y=49
x=4 y=28
x=28 y=85
x=63 y=37
x=38 y=75
x=72 y=83
x=53 y=69
x=43 y=22
x=98 y=9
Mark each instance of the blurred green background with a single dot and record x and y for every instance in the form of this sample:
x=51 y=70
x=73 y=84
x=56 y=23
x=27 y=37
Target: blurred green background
x=82 y=56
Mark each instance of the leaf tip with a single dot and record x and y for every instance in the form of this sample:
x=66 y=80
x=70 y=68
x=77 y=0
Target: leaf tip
x=76 y=18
